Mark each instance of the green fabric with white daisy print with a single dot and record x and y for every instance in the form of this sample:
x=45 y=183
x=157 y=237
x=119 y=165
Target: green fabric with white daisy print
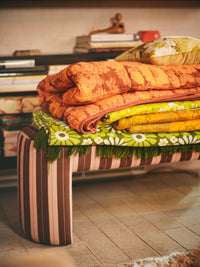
x=60 y=134
x=149 y=108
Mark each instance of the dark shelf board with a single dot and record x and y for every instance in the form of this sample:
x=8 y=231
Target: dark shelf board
x=62 y=59
x=99 y=3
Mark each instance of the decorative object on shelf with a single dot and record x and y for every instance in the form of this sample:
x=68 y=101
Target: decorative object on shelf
x=112 y=39
x=147 y=36
x=117 y=26
x=28 y=52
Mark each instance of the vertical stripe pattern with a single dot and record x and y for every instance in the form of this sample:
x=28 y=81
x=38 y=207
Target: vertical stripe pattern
x=44 y=193
x=53 y=203
x=32 y=192
x=45 y=189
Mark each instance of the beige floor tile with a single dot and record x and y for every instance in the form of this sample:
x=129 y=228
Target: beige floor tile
x=10 y=242
x=189 y=220
x=184 y=237
x=127 y=241
x=103 y=248
x=161 y=220
x=82 y=255
x=195 y=229
x=154 y=237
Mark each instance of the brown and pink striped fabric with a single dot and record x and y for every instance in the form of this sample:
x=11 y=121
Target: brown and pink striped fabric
x=45 y=189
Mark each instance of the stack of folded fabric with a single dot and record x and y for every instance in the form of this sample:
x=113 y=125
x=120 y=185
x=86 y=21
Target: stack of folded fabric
x=132 y=102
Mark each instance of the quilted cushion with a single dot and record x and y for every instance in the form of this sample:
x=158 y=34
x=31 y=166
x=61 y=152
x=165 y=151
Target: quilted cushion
x=165 y=51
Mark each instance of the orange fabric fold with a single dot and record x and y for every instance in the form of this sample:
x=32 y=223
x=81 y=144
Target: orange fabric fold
x=84 y=92
x=85 y=118
x=88 y=82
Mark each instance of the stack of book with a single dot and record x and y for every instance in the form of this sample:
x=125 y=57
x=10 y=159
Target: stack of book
x=106 y=42
x=18 y=99
x=20 y=75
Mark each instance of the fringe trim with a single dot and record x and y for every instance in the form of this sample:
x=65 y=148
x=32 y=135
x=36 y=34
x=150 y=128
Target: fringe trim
x=122 y=152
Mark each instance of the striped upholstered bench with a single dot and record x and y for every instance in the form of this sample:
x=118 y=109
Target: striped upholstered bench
x=45 y=189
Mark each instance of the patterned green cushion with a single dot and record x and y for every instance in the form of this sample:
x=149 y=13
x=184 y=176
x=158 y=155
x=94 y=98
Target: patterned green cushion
x=165 y=51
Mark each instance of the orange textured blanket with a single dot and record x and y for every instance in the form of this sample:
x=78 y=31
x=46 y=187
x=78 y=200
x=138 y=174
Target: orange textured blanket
x=88 y=82
x=83 y=92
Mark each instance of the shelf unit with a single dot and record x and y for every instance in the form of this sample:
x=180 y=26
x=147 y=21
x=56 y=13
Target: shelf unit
x=8 y=171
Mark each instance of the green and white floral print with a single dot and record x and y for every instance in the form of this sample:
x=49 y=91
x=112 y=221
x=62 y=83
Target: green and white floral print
x=150 y=108
x=60 y=134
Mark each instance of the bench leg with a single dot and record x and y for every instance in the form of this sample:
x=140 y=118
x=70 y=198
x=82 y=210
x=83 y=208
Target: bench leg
x=44 y=195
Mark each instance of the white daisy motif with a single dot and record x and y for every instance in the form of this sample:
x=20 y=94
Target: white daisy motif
x=149 y=49
x=181 y=107
x=113 y=130
x=188 y=140
x=170 y=42
x=171 y=104
x=161 y=47
x=194 y=105
x=87 y=141
x=173 y=139
x=153 y=43
x=113 y=141
x=162 y=110
x=163 y=142
x=139 y=137
x=98 y=140
x=61 y=135
x=106 y=142
x=163 y=51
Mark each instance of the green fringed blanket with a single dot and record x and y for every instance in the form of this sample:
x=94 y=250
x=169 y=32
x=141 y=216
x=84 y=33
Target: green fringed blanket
x=54 y=133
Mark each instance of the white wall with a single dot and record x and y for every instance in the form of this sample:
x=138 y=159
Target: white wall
x=53 y=30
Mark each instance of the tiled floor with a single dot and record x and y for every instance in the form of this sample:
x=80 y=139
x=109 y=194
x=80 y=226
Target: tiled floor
x=120 y=219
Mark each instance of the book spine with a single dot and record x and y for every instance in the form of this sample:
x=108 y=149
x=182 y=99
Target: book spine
x=99 y=50
x=108 y=37
x=12 y=72
x=17 y=63
x=10 y=88
x=12 y=80
x=109 y=44
x=25 y=69
x=19 y=73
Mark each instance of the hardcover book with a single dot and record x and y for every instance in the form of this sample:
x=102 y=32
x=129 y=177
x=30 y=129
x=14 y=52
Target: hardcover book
x=109 y=44
x=78 y=49
x=107 y=37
